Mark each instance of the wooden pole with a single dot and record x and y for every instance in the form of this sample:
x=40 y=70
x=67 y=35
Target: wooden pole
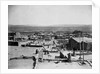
x=80 y=48
x=83 y=50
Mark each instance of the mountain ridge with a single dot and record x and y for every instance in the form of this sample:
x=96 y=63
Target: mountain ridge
x=29 y=28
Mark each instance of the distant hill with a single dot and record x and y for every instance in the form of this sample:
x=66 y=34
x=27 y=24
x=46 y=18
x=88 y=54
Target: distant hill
x=23 y=28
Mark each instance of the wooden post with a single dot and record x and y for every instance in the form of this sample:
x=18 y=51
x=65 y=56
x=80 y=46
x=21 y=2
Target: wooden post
x=83 y=52
x=80 y=48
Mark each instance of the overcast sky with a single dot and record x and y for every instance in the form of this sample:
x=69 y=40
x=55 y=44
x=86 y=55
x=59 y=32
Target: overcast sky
x=42 y=15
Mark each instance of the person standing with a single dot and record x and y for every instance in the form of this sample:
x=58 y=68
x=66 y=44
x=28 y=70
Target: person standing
x=34 y=61
x=40 y=56
x=36 y=51
x=69 y=57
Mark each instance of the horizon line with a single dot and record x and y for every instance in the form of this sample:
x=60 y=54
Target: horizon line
x=56 y=25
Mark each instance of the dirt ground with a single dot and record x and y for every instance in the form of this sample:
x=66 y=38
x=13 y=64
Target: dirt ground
x=15 y=51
